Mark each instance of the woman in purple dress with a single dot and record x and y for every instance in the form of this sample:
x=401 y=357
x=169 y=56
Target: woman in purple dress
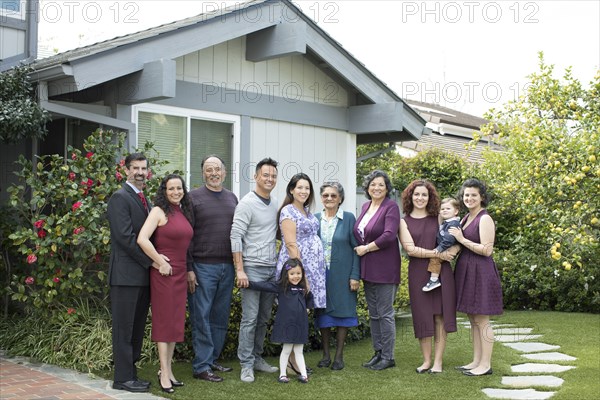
x=478 y=289
x=169 y=226
x=434 y=312
x=300 y=235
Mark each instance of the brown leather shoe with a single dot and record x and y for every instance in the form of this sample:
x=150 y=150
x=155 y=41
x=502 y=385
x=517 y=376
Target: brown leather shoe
x=220 y=368
x=208 y=376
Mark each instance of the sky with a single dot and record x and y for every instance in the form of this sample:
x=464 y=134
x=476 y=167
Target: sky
x=466 y=55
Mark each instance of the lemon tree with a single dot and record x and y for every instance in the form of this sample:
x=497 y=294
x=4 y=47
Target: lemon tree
x=546 y=186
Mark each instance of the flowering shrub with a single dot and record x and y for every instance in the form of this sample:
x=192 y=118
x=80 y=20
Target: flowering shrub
x=61 y=244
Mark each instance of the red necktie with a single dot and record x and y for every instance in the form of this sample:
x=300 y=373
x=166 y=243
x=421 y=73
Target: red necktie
x=144 y=202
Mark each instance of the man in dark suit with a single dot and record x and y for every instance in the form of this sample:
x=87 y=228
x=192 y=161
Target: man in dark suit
x=128 y=274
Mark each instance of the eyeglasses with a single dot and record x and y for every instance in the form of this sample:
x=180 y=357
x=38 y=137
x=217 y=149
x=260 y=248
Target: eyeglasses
x=332 y=196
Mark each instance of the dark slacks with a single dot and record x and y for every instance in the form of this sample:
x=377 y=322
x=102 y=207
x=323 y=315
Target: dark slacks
x=129 y=308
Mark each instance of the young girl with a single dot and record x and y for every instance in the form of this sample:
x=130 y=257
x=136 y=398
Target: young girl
x=291 y=320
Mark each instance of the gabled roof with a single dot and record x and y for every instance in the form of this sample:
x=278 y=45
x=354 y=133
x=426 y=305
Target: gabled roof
x=440 y=114
x=278 y=25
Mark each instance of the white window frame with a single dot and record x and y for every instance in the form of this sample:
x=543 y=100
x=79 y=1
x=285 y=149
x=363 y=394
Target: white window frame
x=234 y=120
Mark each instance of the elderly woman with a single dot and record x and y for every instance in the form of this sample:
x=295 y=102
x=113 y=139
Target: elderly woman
x=169 y=226
x=342 y=272
x=376 y=231
x=434 y=313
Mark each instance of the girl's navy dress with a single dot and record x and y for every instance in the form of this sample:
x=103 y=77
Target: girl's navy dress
x=291 y=320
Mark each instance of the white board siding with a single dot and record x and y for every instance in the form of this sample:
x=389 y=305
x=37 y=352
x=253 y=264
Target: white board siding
x=323 y=154
x=12 y=42
x=291 y=77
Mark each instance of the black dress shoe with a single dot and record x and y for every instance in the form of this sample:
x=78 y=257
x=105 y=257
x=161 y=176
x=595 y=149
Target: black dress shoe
x=374 y=360
x=208 y=376
x=131 y=386
x=324 y=363
x=469 y=373
x=337 y=365
x=220 y=368
x=383 y=364
x=143 y=382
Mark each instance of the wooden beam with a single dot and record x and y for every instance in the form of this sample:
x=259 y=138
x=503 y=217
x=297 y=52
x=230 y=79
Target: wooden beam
x=156 y=81
x=277 y=41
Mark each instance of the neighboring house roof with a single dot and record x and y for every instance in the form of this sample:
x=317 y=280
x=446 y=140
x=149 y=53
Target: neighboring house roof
x=451 y=131
x=378 y=113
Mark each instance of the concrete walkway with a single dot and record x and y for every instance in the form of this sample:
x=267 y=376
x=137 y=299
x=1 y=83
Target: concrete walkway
x=524 y=385
x=22 y=379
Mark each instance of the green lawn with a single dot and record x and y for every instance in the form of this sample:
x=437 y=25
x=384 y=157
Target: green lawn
x=577 y=334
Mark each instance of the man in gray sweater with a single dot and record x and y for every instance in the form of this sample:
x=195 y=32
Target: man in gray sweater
x=253 y=245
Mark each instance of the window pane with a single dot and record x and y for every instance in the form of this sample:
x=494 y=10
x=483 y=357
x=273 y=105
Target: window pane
x=209 y=137
x=168 y=133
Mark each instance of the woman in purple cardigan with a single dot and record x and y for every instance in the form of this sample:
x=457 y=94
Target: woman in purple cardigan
x=376 y=231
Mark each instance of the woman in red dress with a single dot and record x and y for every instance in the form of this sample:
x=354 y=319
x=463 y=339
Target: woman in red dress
x=169 y=226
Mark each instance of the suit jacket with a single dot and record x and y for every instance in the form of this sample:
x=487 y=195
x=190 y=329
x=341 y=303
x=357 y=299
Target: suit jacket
x=382 y=266
x=129 y=265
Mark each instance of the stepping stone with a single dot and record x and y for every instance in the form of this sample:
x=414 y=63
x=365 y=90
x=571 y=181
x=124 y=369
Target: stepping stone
x=517 y=337
x=530 y=347
x=552 y=356
x=517 y=394
x=540 y=368
x=532 y=380
x=512 y=331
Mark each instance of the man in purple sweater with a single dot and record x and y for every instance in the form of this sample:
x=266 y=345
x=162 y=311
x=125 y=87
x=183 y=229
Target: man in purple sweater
x=211 y=273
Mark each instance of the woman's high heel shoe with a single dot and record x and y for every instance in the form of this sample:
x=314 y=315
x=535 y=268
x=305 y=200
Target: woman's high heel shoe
x=165 y=389
x=173 y=383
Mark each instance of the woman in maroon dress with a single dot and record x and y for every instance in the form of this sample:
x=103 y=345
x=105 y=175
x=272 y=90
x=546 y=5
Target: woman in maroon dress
x=434 y=312
x=169 y=225
x=478 y=290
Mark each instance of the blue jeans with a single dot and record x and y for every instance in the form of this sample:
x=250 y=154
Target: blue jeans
x=209 y=312
x=256 y=312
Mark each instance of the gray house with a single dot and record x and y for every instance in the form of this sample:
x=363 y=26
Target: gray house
x=254 y=80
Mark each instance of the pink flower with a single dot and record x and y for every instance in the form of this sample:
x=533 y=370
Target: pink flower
x=39 y=223
x=31 y=258
x=122 y=162
x=56 y=279
x=78 y=230
x=41 y=233
x=71 y=310
x=89 y=183
x=97 y=258
x=71 y=176
x=29 y=280
x=76 y=205
x=73 y=156
x=119 y=176
x=149 y=173
x=89 y=155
